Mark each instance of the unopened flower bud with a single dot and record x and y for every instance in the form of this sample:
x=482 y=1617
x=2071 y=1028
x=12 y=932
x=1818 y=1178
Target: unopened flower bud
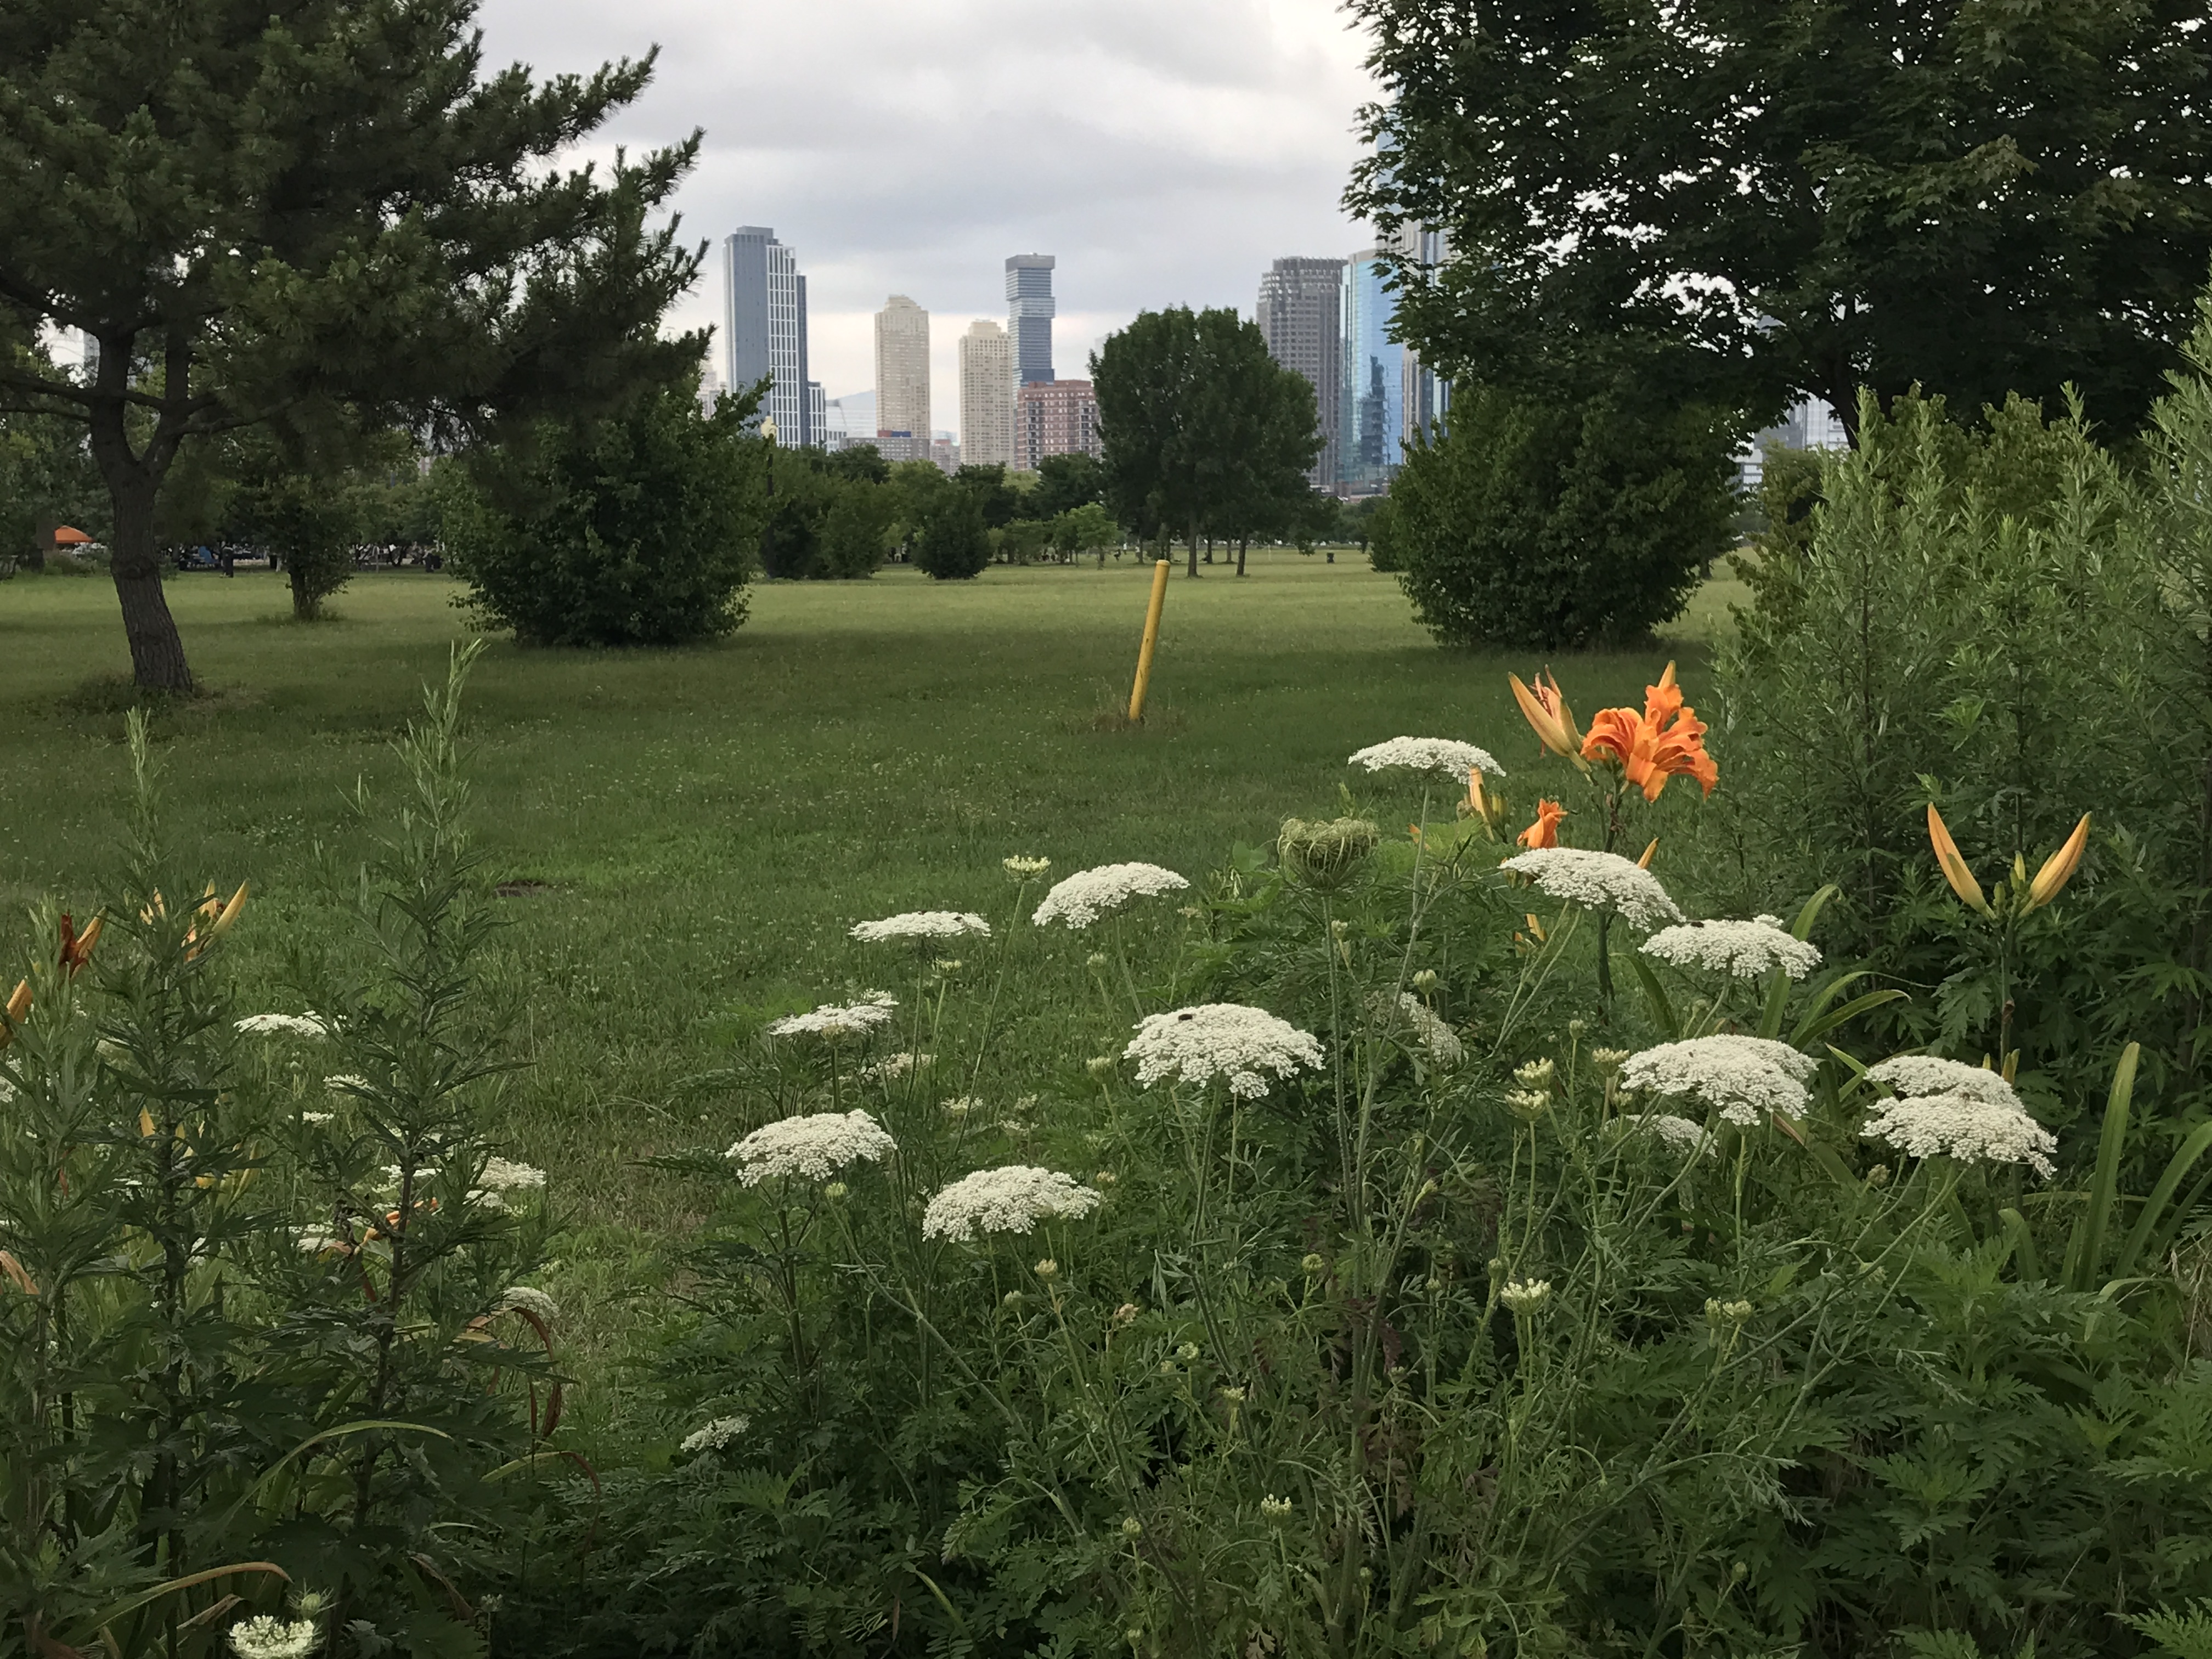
x=1100 y=1066
x=1425 y=981
x=1131 y=1528
x=1047 y=1268
x=1313 y=1263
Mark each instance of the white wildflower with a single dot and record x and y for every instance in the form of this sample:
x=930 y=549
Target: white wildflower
x=814 y=1148
x=1743 y=1078
x=1525 y=1296
x=1743 y=948
x=961 y=1105
x=309 y=1025
x=1013 y=1200
x=504 y=1175
x=1087 y=895
x=316 y=1117
x=891 y=1067
x=1274 y=1508
x=1430 y=1033
x=713 y=1435
x=833 y=1022
x=1926 y=1075
x=1676 y=1133
x=345 y=1083
x=1598 y=881
x=923 y=924
x=522 y=1298
x=1447 y=756
x=1023 y=866
x=264 y=1636
x=1966 y=1112
x=1221 y=1039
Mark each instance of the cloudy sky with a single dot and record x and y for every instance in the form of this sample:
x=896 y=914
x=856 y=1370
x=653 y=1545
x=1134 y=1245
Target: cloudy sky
x=1165 y=150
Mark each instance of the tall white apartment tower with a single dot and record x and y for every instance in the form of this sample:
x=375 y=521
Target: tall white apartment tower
x=902 y=381
x=987 y=395
x=764 y=328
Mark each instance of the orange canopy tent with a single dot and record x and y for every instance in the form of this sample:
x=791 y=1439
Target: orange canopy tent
x=67 y=537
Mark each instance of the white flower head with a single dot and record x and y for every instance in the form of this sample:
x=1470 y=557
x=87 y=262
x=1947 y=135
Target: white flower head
x=1525 y=1296
x=923 y=924
x=712 y=1437
x=814 y=1148
x=1742 y=1078
x=317 y=1117
x=346 y=1083
x=505 y=1175
x=1221 y=1039
x=1677 y=1134
x=264 y=1636
x=1011 y=1199
x=1082 y=897
x=1598 y=881
x=1447 y=756
x=306 y=1025
x=891 y=1067
x=1430 y=1033
x=1957 y=1110
x=1023 y=866
x=836 y=1023
x=523 y=1298
x=1744 y=950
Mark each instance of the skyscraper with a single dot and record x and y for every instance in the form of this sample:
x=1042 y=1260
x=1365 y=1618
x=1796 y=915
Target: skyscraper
x=1301 y=312
x=1029 y=314
x=1055 y=417
x=764 y=327
x=1372 y=432
x=987 y=395
x=902 y=426
x=1423 y=396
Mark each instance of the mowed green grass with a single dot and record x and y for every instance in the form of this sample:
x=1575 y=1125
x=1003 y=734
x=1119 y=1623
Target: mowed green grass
x=709 y=821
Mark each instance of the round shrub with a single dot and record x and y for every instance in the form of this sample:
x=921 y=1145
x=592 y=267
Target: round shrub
x=1557 y=524
x=638 y=528
x=954 y=544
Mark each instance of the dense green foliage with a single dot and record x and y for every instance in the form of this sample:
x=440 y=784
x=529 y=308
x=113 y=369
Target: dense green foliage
x=47 y=478
x=1205 y=435
x=954 y=541
x=1544 y=522
x=637 y=528
x=829 y=514
x=285 y=212
x=1742 y=200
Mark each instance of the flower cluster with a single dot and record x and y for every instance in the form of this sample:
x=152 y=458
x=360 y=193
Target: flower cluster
x=712 y=1437
x=1430 y=1033
x=891 y=1067
x=1966 y=1112
x=1449 y=756
x=522 y=1298
x=922 y=924
x=1597 y=881
x=306 y=1025
x=1221 y=1039
x=1011 y=1199
x=502 y=1175
x=832 y=1023
x=1087 y=895
x=1677 y=1134
x=814 y=1148
x=1022 y=866
x=264 y=1636
x=1743 y=1078
x=1666 y=740
x=1525 y=1296
x=1743 y=948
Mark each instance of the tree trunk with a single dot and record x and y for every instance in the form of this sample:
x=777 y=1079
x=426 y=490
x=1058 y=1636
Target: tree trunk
x=305 y=606
x=1193 y=568
x=157 y=652
x=1241 y=542
x=42 y=540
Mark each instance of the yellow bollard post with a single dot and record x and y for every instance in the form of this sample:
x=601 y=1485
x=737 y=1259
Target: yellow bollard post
x=1151 y=638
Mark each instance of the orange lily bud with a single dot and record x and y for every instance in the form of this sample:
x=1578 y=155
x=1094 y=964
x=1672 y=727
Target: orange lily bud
x=2058 y=869
x=77 y=948
x=1535 y=928
x=146 y=1129
x=1547 y=715
x=1644 y=863
x=18 y=1009
x=1545 y=831
x=229 y=912
x=1954 y=868
x=13 y=1269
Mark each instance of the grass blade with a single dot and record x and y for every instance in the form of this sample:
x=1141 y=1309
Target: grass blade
x=2086 y=1249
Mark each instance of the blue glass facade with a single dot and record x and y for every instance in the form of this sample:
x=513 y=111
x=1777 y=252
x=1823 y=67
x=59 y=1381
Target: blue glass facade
x=1374 y=415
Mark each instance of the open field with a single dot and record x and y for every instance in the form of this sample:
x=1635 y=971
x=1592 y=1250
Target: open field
x=708 y=822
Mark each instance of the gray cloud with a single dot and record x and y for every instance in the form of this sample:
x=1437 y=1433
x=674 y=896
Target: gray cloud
x=1166 y=152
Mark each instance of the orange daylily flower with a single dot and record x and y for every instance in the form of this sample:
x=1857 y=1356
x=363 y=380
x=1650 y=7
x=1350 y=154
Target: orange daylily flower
x=1666 y=740
x=1546 y=712
x=1545 y=832
x=77 y=948
x=1954 y=867
x=2058 y=869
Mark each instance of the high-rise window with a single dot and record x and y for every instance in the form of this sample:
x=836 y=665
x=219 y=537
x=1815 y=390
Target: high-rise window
x=1029 y=314
x=1301 y=313
x=764 y=328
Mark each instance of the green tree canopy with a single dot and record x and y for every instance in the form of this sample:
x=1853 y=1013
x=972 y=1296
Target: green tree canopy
x=1065 y=483
x=1743 y=200
x=272 y=209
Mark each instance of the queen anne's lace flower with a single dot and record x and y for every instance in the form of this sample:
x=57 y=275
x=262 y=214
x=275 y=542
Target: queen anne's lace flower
x=1449 y=756
x=524 y=1298
x=1087 y=895
x=1598 y=881
x=505 y=1175
x=346 y=1083
x=1221 y=1039
x=308 y=1026
x=1011 y=1199
x=832 y=1023
x=1525 y=1296
x=1966 y=1112
x=1023 y=865
x=1676 y=1133
x=1743 y=1078
x=1430 y=1033
x=813 y=1147
x=712 y=1437
x=891 y=1067
x=923 y=924
x=264 y=1636
x=1743 y=948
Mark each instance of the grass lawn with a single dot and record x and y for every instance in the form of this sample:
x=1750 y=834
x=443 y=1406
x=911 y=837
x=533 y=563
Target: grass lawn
x=708 y=822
